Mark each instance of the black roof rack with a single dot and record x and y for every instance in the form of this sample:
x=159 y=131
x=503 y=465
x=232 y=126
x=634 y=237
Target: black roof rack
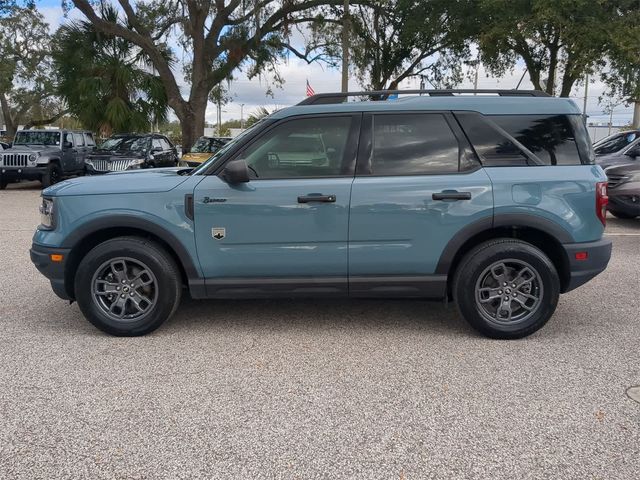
x=339 y=97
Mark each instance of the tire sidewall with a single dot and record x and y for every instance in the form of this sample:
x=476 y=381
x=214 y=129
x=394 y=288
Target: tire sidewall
x=479 y=260
x=155 y=260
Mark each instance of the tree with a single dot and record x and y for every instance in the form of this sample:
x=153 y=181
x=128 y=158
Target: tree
x=560 y=41
x=219 y=36
x=398 y=39
x=623 y=75
x=106 y=80
x=27 y=93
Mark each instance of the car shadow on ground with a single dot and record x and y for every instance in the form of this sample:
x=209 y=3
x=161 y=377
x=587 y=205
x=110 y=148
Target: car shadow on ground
x=319 y=314
x=35 y=185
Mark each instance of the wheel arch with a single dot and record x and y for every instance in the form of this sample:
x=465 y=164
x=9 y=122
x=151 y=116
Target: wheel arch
x=538 y=231
x=82 y=240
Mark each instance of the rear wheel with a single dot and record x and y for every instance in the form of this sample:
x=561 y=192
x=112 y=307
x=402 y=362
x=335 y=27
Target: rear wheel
x=52 y=175
x=128 y=286
x=506 y=288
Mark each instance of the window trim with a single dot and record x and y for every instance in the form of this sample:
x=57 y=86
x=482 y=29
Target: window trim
x=350 y=154
x=365 y=151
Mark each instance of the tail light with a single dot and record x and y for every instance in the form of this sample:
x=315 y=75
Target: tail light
x=602 y=200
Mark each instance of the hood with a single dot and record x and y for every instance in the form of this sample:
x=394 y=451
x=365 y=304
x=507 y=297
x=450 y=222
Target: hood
x=133 y=181
x=106 y=154
x=623 y=169
x=617 y=158
x=43 y=149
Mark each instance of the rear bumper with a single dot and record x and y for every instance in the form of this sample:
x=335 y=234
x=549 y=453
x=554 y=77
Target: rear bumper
x=22 y=173
x=54 y=271
x=596 y=261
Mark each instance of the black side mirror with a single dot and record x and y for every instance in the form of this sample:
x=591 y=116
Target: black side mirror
x=156 y=149
x=67 y=144
x=235 y=172
x=633 y=151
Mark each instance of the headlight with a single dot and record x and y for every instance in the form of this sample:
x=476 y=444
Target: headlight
x=136 y=162
x=33 y=157
x=89 y=161
x=46 y=214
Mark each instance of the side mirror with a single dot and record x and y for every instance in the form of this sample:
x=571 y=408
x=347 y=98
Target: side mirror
x=236 y=172
x=67 y=144
x=633 y=151
x=156 y=149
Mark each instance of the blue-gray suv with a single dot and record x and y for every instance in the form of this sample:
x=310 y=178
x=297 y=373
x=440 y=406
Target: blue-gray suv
x=491 y=199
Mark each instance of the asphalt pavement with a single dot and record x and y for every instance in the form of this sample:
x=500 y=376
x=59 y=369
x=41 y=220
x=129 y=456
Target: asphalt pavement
x=388 y=389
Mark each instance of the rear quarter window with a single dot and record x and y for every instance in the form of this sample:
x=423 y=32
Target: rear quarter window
x=552 y=139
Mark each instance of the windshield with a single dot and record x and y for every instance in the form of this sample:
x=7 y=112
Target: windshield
x=227 y=146
x=125 y=144
x=37 y=138
x=615 y=143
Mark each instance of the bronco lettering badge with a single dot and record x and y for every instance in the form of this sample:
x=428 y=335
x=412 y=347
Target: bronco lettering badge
x=218 y=233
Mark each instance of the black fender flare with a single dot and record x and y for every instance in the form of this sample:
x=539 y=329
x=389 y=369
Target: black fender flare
x=516 y=220
x=128 y=221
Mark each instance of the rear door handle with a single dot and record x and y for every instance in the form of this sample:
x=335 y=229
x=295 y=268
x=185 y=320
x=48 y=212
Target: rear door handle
x=316 y=197
x=451 y=195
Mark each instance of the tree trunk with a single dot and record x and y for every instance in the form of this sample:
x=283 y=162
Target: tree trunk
x=636 y=114
x=8 y=118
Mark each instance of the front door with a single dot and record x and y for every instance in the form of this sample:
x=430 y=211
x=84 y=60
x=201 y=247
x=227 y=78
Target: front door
x=417 y=185
x=285 y=230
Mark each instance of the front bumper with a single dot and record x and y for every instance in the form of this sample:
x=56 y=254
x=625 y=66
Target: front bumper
x=54 y=271
x=596 y=261
x=22 y=173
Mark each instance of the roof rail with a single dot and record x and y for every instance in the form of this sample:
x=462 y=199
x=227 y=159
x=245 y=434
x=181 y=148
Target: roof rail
x=339 y=97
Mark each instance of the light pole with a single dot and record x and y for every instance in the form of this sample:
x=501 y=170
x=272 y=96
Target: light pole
x=241 y=116
x=345 y=48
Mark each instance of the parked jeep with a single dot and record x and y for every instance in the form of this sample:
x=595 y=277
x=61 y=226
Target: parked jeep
x=45 y=155
x=131 y=152
x=493 y=201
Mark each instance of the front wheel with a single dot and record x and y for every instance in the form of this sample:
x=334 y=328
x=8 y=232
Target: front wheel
x=506 y=288
x=52 y=175
x=128 y=286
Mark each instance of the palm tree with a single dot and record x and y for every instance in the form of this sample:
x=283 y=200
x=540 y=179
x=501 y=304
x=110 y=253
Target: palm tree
x=106 y=81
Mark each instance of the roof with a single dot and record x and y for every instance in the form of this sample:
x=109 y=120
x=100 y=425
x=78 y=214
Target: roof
x=488 y=105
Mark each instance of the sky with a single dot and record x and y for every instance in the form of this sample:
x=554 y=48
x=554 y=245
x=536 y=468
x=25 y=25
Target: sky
x=252 y=93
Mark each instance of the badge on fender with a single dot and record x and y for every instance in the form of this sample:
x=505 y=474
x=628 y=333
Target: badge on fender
x=218 y=233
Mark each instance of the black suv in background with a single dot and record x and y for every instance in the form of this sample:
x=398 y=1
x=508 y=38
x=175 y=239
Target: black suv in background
x=130 y=152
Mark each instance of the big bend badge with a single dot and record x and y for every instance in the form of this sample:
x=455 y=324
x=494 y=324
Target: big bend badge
x=218 y=233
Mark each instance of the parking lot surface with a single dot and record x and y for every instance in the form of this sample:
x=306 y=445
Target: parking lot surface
x=316 y=388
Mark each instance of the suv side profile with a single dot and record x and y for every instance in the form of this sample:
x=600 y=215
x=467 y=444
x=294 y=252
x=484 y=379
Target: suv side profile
x=491 y=200
x=45 y=155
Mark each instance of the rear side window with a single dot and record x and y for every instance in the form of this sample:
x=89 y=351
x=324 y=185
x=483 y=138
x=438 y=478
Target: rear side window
x=413 y=144
x=78 y=140
x=553 y=139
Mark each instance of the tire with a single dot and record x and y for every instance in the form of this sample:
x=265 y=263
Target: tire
x=3 y=183
x=480 y=292
x=622 y=215
x=52 y=176
x=153 y=299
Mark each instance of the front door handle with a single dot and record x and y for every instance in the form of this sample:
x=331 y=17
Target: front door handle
x=316 y=197
x=451 y=195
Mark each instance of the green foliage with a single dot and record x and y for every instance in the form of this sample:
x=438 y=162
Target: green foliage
x=26 y=89
x=258 y=114
x=106 y=80
x=560 y=41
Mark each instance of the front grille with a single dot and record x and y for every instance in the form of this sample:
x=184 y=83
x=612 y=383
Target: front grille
x=110 y=165
x=15 y=159
x=615 y=179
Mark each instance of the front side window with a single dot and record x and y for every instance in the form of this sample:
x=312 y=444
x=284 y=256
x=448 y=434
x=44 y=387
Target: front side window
x=413 y=144
x=78 y=140
x=313 y=147
x=157 y=144
x=89 y=140
x=615 y=143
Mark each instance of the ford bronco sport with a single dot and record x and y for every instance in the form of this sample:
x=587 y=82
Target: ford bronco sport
x=490 y=199
x=45 y=155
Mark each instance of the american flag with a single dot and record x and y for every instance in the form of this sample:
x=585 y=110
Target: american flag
x=310 y=91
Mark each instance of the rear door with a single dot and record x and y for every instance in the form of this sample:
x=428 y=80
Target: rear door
x=286 y=229
x=417 y=185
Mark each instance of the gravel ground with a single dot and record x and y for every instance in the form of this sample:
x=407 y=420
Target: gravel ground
x=315 y=389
